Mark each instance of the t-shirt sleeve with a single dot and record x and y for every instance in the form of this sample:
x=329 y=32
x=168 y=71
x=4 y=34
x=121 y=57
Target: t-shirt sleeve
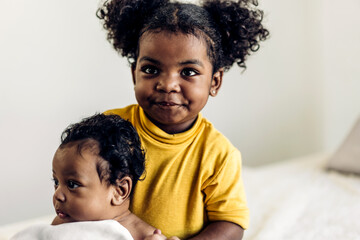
x=225 y=198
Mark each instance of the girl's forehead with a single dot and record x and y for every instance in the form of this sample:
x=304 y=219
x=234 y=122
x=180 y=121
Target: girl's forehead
x=170 y=43
x=159 y=35
x=187 y=43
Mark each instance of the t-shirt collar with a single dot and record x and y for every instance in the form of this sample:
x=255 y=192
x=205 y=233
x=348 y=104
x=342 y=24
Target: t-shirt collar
x=158 y=134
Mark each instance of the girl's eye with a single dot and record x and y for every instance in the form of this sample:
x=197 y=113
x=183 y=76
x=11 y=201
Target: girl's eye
x=188 y=72
x=72 y=185
x=150 y=70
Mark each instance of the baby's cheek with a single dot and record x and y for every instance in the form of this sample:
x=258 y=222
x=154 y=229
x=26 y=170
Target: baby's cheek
x=82 y=214
x=88 y=211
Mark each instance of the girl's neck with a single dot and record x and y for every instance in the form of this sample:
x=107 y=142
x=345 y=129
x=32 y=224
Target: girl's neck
x=173 y=128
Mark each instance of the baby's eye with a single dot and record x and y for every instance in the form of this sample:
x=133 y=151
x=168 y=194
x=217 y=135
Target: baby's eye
x=189 y=72
x=150 y=70
x=72 y=185
x=56 y=183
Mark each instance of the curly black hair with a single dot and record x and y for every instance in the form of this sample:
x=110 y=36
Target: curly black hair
x=118 y=142
x=232 y=29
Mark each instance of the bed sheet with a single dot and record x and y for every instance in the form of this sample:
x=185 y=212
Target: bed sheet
x=300 y=199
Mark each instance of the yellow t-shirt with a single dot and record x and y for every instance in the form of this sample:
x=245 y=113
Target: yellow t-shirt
x=192 y=178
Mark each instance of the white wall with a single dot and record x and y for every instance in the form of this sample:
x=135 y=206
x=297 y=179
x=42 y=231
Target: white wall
x=341 y=41
x=273 y=110
x=299 y=94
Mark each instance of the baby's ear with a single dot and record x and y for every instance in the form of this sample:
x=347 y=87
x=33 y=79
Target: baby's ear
x=122 y=190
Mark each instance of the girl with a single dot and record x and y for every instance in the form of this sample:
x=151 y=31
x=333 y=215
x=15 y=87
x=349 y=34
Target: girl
x=178 y=53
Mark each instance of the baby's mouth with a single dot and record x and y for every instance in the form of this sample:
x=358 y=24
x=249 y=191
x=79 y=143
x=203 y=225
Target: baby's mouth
x=61 y=214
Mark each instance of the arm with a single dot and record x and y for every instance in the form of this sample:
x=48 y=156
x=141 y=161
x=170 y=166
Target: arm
x=158 y=236
x=225 y=202
x=221 y=231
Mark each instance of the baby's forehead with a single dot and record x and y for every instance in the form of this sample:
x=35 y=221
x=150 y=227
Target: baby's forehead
x=79 y=160
x=85 y=151
x=88 y=145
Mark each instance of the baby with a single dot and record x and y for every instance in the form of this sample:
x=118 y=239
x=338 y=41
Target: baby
x=95 y=168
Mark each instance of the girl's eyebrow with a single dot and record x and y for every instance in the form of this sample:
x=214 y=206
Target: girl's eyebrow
x=191 y=61
x=149 y=59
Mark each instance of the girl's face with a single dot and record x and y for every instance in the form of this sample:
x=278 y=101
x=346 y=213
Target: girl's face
x=173 y=79
x=79 y=195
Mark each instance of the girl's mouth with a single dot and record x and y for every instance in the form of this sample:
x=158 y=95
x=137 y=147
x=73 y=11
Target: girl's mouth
x=167 y=104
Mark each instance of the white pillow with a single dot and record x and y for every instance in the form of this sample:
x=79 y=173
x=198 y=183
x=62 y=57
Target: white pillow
x=347 y=157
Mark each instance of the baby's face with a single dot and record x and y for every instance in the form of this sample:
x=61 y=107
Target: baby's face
x=79 y=195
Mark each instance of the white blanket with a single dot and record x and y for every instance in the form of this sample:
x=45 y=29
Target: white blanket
x=300 y=200
x=95 y=230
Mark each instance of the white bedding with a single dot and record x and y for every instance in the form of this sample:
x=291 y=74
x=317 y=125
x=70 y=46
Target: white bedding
x=299 y=199
x=87 y=230
x=289 y=200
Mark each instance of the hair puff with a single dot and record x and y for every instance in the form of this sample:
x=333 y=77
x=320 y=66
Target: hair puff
x=232 y=29
x=239 y=23
x=124 y=19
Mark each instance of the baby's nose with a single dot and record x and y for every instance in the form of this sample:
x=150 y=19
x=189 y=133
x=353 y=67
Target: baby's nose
x=59 y=195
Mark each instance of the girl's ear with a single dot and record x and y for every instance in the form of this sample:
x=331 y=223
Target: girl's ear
x=133 y=67
x=121 y=191
x=216 y=82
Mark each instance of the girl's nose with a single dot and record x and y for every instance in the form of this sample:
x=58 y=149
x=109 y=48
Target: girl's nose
x=59 y=195
x=168 y=84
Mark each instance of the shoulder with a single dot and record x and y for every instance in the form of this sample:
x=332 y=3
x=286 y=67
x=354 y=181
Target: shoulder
x=138 y=228
x=217 y=150
x=126 y=113
x=214 y=138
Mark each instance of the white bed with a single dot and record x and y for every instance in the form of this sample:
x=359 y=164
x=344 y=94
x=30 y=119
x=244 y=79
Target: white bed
x=294 y=199
x=300 y=199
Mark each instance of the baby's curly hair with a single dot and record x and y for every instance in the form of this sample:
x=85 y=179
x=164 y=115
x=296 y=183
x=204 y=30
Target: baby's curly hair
x=231 y=29
x=118 y=142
